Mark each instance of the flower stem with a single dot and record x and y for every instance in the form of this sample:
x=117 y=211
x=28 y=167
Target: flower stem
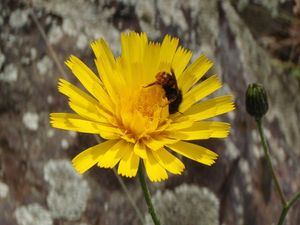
x=287 y=207
x=267 y=155
x=147 y=195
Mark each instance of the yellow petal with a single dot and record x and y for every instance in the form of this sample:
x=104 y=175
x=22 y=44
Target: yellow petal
x=194 y=152
x=156 y=143
x=154 y=170
x=82 y=103
x=74 y=122
x=167 y=51
x=115 y=153
x=106 y=66
x=180 y=60
x=199 y=92
x=202 y=130
x=151 y=62
x=89 y=80
x=191 y=135
x=77 y=96
x=218 y=129
x=100 y=48
x=133 y=46
x=168 y=161
x=94 y=114
x=193 y=73
x=140 y=149
x=129 y=164
x=179 y=124
x=89 y=157
x=210 y=108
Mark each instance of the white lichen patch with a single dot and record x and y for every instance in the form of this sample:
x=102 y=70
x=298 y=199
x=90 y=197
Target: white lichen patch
x=232 y=152
x=55 y=34
x=18 y=18
x=50 y=99
x=145 y=11
x=10 y=73
x=245 y=170
x=238 y=205
x=69 y=27
x=25 y=60
x=64 y=143
x=188 y=205
x=44 y=65
x=50 y=133
x=82 y=42
x=4 y=190
x=256 y=146
x=72 y=134
x=93 y=21
x=33 y=214
x=33 y=53
x=68 y=192
x=31 y=120
x=171 y=13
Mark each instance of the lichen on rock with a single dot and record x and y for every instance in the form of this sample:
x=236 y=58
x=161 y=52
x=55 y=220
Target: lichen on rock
x=187 y=204
x=33 y=214
x=68 y=194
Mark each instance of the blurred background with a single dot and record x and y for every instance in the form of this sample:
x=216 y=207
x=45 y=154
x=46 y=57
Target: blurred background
x=249 y=41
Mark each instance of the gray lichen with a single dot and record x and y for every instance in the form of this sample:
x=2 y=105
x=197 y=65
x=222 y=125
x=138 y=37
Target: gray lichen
x=44 y=65
x=33 y=214
x=55 y=34
x=31 y=120
x=68 y=193
x=188 y=205
x=10 y=73
x=245 y=170
x=271 y=5
x=18 y=18
x=4 y=190
x=91 y=18
x=253 y=59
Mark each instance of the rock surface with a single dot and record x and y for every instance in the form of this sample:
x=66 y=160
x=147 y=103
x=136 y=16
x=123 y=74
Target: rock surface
x=249 y=41
x=187 y=204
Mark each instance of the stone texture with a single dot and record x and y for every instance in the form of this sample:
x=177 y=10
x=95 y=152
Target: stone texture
x=33 y=214
x=4 y=190
x=68 y=192
x=187 y=204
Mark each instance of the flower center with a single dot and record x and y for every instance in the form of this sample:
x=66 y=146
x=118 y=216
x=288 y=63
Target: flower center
x=141 y=112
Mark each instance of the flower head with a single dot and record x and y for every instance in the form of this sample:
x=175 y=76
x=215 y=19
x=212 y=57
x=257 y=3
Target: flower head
x=129 y=108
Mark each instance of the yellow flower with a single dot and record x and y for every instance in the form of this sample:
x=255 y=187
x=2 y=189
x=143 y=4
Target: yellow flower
x=128 y=109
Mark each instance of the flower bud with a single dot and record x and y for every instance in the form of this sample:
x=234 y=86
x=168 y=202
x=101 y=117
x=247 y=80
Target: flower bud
x=256 y=101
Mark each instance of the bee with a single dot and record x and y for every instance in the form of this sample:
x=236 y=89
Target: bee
x=169 y=83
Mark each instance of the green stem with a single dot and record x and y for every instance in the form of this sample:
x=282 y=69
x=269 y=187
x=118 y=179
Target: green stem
x=287 y=207
x=283 y=214
x=267 y=155
x=147 y=195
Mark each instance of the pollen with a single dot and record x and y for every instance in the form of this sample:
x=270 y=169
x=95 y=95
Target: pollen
x=142 y=111
x=151 y=100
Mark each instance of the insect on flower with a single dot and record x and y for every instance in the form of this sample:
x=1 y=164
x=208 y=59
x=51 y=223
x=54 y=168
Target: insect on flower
x=169 y=84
